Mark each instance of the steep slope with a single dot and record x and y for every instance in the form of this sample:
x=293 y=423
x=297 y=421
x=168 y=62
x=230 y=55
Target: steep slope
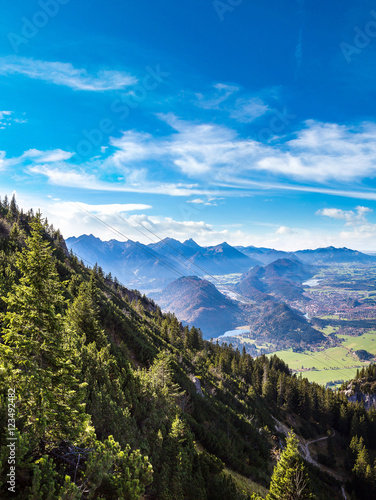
x=197 y=302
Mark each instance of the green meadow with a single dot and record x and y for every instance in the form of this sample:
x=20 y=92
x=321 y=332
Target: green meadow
x=366 y=341
x=329 y=365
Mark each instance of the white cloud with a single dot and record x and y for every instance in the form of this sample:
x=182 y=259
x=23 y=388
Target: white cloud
x=65 y=74
x=210 y=202
x=359 y=233
x=4 y=114
x=284 y=230
x=350 y=216
x=320 y=152
x=194 y=148
x=323 y=151
x=360 y=237
x=75 y=219
x=60 y=176
x=197 y=201
x=324 y=158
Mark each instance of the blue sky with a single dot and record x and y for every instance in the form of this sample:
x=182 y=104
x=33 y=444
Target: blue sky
x=246 y=121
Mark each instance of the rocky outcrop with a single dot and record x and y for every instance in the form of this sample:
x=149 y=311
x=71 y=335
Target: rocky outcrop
x=355 y=395
x=197 y=383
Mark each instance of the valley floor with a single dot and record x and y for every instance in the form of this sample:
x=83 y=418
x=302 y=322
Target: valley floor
x=342 y=305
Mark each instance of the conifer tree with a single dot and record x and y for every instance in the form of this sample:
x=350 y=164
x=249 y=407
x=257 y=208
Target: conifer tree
x=82 y=316
x=267 y=388
x=35 y=350
x=13 y=206
x=290 y=479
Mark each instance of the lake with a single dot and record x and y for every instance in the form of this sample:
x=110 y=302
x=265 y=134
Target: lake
x=232 y=333
x=312 y=282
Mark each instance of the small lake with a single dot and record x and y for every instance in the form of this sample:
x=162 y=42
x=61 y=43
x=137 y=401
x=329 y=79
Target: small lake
x=232 y=333
x=312 y=282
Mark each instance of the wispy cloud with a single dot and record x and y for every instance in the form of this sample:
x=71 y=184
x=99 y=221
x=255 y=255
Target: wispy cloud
x=106 y=209
x=319 y=152
x=247 y=110
x=51 y=156
x=224 y=97
x=34 y=156
x=206 y=159
x=2 y=160
x=193 y=148
x=65 y=74
x=221 y=93
x=63 y=175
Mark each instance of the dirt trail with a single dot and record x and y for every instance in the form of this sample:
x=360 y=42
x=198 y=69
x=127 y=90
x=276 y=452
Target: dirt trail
x=305 y=452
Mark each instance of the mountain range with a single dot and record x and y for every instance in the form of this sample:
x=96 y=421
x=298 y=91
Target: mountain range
x=154 y=266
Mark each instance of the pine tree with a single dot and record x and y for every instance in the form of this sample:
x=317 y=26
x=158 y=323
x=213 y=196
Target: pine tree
x=35 y=350
x=290 y=479
x=82 y=316
x=13 y=206
x=267 y=388
x=363 y=475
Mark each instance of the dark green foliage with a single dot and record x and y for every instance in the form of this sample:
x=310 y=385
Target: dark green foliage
x=35 y=351
x=364 y=355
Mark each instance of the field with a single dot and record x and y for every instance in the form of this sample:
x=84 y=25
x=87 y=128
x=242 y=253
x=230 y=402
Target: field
x=328 y=366
x=367 y=341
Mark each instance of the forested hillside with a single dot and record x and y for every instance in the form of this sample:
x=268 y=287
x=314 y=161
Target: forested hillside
x=104 y=396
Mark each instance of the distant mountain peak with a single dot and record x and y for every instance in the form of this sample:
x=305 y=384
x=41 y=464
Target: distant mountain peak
x=169 y=240
x=191 y=243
